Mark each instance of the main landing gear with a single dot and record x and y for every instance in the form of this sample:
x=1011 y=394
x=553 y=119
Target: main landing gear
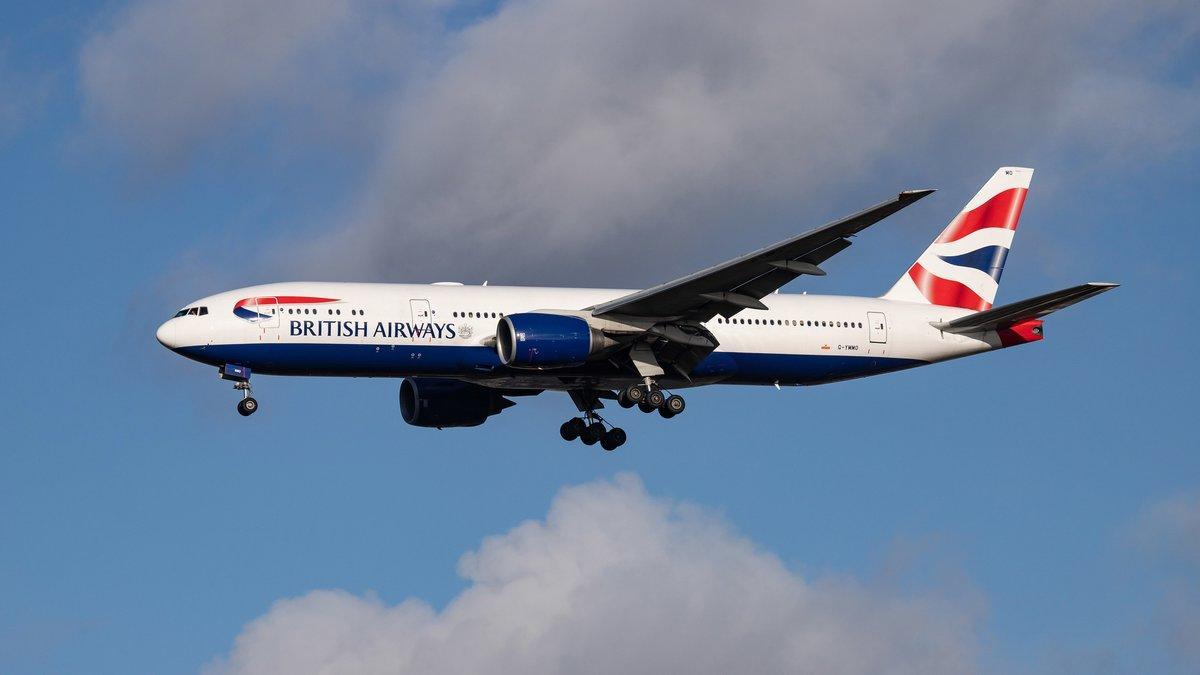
x=240 y=376
x=591 y=430
x=649 y=397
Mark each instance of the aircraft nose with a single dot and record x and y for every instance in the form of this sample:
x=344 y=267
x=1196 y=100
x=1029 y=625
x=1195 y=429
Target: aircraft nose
x=166 y=334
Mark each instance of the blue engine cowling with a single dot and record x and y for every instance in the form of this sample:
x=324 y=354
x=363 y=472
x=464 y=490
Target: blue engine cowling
x=438 y=402
x=536 y=340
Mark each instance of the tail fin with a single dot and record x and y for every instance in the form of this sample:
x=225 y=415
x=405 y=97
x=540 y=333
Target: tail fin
x=962 y=267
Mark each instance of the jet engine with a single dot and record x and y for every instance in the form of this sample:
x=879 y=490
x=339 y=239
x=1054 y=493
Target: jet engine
x=439 y=402
x=543 y=340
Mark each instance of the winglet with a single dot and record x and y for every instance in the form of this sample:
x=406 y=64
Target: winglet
x=914 y=195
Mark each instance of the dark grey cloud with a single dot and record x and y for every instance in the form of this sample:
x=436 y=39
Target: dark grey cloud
x=614 y=580
x=586 y=141
x=617 y=132
x=164 y=81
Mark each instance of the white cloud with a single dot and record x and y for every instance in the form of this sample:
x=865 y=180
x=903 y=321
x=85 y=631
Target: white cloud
x=622 y=132
x=614 y=580
x=169 y=78
x=618 y=131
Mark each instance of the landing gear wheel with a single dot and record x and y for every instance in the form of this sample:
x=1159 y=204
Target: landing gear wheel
x=623 y=400
x=572 y=429
x=635 y=393
x=247 y=406
x=593 y=433
x=674 y=404
x=666 y=414
x=613 y=439
x=646 y=407
x=655 y=398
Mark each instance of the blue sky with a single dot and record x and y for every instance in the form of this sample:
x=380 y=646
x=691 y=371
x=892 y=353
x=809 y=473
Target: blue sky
x=1043 y=501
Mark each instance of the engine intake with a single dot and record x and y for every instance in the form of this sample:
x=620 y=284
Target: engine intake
x=540 y=340
x=438 y=402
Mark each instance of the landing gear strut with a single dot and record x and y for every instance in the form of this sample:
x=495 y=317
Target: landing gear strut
x=248 y=404
x=240 y=376
x=591 y=428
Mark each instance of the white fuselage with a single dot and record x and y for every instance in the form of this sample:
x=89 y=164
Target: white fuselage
x=448 y=330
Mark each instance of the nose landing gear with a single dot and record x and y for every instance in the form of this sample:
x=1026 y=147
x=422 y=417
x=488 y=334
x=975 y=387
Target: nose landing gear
x=240 y=376
x=248 y=404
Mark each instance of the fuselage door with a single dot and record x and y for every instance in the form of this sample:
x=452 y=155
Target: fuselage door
x=422 y=319
x=877 y=322
x=268 y=309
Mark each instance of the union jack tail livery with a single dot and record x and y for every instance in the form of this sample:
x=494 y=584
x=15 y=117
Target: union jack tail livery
x=962 y=267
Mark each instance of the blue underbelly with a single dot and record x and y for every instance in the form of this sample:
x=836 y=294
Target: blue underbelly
x=359 y=360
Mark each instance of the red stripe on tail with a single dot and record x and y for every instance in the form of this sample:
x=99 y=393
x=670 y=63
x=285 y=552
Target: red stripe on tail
x=1002 y=210
x=945 y=292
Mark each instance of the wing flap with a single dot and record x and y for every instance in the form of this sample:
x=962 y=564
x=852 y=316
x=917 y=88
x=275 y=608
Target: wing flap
x=1024 y=310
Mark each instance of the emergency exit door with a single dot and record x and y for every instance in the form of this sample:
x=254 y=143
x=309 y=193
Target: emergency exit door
x=421 y=318
x=877 y=323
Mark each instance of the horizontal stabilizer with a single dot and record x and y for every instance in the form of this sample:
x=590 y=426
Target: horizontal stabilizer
x=1023 y=310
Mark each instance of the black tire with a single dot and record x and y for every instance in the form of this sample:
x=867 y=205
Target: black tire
x=666 y=414
x=656 y=398
x=623 y=400
x=674 y=404
x=247 y=406
x=568 y=430
x=614 y=439
x=646 y=407
x=594 y=433
x=635 y=393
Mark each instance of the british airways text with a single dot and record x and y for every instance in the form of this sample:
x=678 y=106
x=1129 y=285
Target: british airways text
x=385 y=329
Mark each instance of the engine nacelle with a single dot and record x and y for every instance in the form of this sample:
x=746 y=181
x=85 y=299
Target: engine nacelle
x=439 y=402
x=541 y=340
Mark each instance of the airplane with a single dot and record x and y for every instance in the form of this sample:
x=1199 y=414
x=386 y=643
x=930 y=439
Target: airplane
x=464 y=352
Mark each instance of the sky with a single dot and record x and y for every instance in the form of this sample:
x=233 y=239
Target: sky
x=1035 y=510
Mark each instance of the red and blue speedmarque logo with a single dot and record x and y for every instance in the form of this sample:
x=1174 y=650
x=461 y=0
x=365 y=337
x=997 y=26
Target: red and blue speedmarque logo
x=251 y=309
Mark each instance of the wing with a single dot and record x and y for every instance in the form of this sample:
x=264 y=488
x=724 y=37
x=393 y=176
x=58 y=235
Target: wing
x=741 y=283
x=1023 y=310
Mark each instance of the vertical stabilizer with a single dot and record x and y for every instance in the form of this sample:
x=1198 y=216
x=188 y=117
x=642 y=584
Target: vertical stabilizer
x=962 y=267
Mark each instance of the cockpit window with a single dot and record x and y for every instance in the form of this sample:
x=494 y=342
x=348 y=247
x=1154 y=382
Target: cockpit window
x=203 y=311
x=191 y=311
x=180 y=313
